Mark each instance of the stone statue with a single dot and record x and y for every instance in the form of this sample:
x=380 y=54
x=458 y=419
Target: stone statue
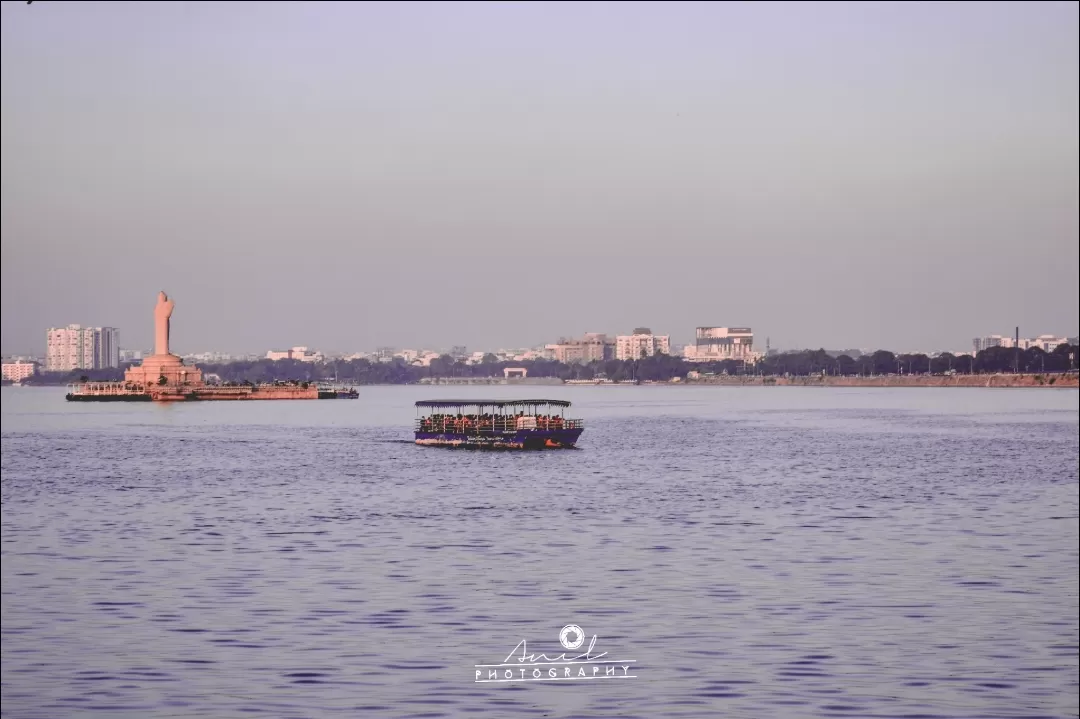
x=162 y=313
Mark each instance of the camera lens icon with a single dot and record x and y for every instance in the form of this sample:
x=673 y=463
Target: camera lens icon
x=571 y=636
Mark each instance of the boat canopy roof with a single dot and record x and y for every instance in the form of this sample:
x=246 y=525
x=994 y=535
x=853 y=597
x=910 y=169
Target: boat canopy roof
x=490 y=402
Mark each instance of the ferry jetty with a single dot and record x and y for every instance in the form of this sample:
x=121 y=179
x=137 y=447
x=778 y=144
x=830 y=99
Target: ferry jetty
x=163 y=377
x=496 y=424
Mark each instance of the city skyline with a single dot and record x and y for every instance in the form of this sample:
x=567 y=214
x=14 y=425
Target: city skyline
x=345 y=176
x=677 y=347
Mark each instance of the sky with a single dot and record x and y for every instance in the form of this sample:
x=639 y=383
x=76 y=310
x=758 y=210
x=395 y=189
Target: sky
x=502 y=174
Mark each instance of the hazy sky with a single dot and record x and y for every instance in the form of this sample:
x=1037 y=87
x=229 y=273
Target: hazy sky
x=899 y=175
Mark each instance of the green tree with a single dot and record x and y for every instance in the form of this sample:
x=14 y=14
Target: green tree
x=883 y=362
x=845 y=365
x=441 y=366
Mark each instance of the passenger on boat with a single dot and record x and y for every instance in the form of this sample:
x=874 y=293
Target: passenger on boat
x=474 y=424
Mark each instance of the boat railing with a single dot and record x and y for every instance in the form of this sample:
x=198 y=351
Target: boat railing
x=496 y=426
x=104 y=388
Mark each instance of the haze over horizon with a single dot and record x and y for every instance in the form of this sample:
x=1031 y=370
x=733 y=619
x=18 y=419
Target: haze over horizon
x=346 y=176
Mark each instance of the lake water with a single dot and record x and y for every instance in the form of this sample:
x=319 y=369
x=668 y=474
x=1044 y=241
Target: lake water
x=759 y=552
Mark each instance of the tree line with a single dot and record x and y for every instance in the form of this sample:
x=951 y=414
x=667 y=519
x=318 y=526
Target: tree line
x=660 y=368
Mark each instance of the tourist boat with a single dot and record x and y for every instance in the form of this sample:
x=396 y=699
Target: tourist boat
x=496 y=424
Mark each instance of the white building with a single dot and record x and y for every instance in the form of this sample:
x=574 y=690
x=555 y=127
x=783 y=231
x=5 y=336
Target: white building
x=593 y=347
x=18 y=370
x=209 y=357
x=643 y=343
x=301 y=354
x=77 y=347
x=713 y=344
x=1047 y=343
x=424 y=358
x=985 y=343
x=384 y=354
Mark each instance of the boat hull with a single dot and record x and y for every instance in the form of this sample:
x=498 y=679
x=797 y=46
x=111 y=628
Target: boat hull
x=520 y=439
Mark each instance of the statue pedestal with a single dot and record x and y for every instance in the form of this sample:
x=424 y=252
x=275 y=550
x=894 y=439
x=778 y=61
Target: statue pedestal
x=169 y=366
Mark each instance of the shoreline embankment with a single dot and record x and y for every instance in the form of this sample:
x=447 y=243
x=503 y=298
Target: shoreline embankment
x=1056 y=381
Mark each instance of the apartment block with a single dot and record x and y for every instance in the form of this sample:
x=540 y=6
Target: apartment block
x=19 y=370
x=642 y=343
x=593 y=346
x=77 y=347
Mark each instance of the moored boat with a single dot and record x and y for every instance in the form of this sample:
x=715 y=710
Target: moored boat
x=337 y=392
x=496 y=424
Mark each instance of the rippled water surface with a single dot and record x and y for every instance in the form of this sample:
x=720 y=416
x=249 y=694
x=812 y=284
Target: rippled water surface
x=760 y=552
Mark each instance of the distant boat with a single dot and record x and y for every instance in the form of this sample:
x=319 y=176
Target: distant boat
x=338 y=393
x=496 y=424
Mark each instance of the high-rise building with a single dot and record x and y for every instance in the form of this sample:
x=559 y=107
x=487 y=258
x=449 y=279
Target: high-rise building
x=713 y=344
x=77 y=347
x=643 y=343
x=108 y=347
x=985 y=343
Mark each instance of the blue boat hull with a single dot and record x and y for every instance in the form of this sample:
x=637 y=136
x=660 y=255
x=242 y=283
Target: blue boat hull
x=520 y=439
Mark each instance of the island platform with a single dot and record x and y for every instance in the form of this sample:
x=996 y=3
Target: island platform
x=128 y=392
x=163 y=377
